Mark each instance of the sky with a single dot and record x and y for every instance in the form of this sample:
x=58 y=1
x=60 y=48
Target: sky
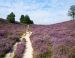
x=40 y=11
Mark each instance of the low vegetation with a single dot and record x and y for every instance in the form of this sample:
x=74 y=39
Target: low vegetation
x=60 y=37
x=6 y=42
x=20 y=50
x=9 y=35
x=49 y=41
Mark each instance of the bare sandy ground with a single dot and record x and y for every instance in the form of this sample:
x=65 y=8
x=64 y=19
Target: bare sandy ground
x=11 y=54
x=29 y=50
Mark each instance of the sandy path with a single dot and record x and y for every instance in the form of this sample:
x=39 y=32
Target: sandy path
x=11 y=54
x=29 y=50
x=28 y=53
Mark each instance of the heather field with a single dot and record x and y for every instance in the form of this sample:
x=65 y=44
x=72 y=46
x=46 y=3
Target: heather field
x=48 y=41
x=9 y=35
x=54 y=41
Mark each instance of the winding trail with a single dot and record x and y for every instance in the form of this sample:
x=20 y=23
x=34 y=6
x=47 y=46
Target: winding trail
x=28 y=53
x=29 y=50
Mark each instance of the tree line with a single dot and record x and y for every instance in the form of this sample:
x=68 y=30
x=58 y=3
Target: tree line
x=23 y=19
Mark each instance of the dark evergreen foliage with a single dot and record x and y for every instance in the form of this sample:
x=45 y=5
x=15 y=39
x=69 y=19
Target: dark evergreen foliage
x=11 y=17
x=25 y=19
x=72 y=11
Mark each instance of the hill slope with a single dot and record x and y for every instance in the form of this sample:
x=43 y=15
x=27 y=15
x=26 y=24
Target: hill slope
x=10 y=34
x=54 y=40
x=49 y=41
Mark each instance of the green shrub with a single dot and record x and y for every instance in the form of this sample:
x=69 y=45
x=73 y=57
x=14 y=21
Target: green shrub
x=45 y=55
x=11 y=17
x=25 y=19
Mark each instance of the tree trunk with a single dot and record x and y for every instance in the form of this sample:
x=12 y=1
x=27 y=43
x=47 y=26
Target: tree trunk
x=73 y=17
